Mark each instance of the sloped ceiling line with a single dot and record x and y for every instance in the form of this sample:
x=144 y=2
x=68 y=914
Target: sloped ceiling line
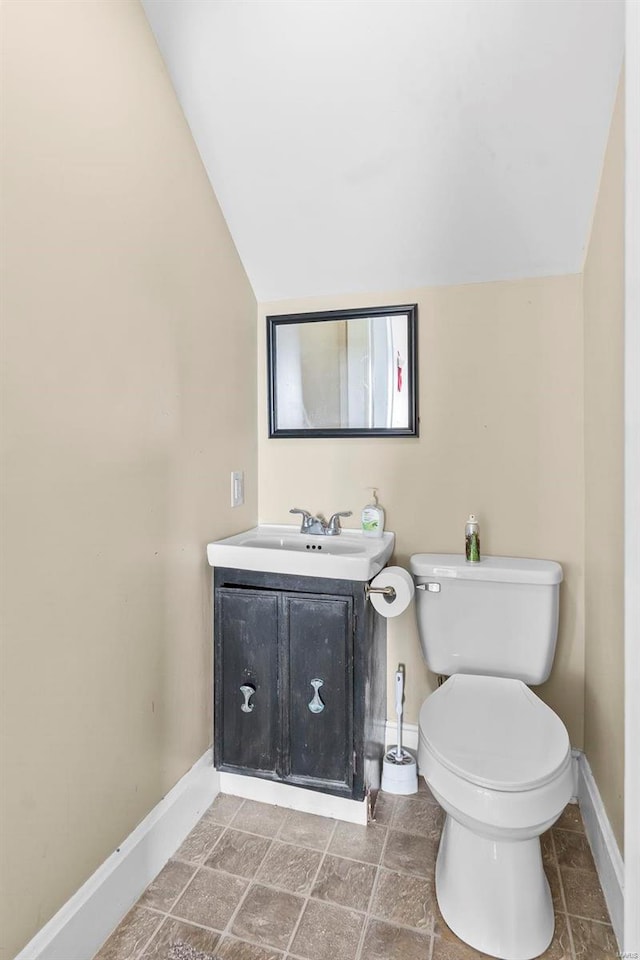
x=363 y=145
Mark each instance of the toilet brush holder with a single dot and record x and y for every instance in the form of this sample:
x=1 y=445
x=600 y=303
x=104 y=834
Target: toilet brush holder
x=399 y=770
x=399 y=776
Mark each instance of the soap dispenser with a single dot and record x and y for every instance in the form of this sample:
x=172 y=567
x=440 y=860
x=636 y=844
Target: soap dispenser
x=373 y=517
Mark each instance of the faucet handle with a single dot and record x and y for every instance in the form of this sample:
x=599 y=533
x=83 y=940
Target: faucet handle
x=333 y=527
x=307 y=519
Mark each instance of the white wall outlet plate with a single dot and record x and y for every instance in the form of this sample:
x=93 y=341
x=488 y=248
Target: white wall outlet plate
x=237 y=488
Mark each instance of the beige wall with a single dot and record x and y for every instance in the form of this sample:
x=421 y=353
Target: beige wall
x=129 y=339
x=604 y=475
x=501 y=434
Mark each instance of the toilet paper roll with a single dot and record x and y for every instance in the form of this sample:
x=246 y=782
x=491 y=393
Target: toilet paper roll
x=402 y=583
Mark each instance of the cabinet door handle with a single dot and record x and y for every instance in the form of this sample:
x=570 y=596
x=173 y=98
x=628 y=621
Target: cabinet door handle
x=316 y=705
x=247 y=691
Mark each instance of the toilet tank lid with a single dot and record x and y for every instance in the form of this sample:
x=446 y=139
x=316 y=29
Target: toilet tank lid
x=498 y=569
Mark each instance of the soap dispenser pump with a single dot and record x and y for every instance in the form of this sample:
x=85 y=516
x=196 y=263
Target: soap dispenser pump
x=373 y=517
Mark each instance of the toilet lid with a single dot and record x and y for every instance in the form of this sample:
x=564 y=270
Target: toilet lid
x=494 y=732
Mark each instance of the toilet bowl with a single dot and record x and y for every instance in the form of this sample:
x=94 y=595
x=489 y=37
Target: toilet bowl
x=495 y=756
x=498 y=760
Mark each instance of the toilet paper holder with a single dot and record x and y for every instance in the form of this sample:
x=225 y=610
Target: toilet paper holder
x=391 y=592
x=387 y=592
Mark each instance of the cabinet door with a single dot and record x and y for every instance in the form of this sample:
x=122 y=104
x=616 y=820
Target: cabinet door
x=318 y=650
x=246 y=680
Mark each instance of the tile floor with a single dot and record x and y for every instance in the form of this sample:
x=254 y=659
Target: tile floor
x=256 y=882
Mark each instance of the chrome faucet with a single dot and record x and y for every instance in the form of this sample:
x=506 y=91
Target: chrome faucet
x=318 y=526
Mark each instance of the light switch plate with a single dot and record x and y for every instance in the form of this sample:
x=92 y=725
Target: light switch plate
x=237 y=488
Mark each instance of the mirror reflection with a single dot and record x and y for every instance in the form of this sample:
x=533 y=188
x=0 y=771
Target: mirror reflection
x=343 y=373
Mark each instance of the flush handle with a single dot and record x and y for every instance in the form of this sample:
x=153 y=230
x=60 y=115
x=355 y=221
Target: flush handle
x=316 y=705
x=431 y=587
x=247 y=692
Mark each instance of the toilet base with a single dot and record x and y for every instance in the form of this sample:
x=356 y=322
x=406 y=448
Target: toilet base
x=494 y=895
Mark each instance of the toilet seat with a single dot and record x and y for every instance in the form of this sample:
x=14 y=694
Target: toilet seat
x=494 y=733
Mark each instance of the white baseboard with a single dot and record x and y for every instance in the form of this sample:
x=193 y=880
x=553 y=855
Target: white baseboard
x=80 y=927
x=606 y=854
x=295 y=798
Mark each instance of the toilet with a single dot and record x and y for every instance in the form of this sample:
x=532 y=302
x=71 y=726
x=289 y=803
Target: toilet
x=497 y=759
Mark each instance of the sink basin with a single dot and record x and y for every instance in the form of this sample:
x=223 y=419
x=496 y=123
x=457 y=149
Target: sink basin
x=283 y=549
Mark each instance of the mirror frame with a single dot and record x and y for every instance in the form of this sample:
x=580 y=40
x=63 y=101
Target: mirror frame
x=276 y=320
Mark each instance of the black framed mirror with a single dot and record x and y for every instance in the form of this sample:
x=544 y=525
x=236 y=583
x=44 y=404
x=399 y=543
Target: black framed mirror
x=343 y=373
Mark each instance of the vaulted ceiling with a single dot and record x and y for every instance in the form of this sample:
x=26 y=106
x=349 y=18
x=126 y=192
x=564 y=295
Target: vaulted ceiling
x=369 y=145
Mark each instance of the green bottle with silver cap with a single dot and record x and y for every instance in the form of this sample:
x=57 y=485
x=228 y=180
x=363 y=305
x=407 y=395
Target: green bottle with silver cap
x=472 y=540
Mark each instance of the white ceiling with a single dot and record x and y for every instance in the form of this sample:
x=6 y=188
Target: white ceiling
x=366 y=145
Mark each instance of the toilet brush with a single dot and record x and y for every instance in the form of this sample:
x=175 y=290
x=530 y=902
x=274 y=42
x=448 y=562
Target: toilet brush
x=399 y=771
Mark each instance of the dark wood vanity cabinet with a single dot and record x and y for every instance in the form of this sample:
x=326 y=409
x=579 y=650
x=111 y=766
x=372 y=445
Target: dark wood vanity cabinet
x=247 y=624
x=299 y=681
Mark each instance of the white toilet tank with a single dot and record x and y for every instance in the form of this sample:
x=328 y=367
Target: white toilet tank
x=498 y=617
